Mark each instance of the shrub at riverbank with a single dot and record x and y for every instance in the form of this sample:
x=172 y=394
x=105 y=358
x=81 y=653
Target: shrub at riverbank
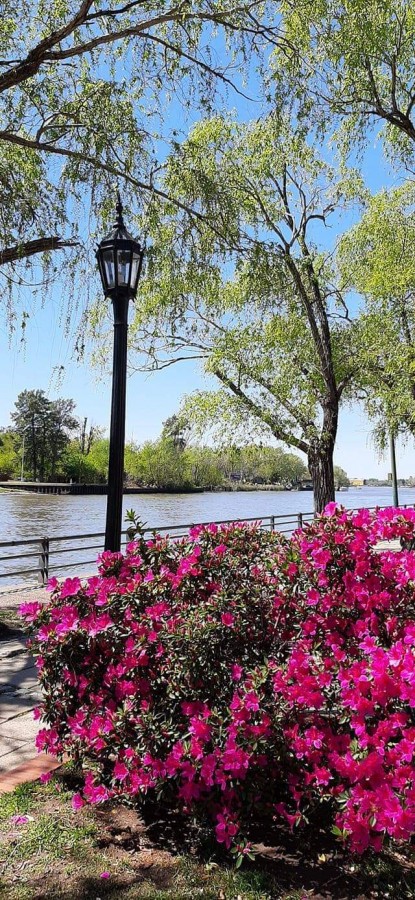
x=241 y=675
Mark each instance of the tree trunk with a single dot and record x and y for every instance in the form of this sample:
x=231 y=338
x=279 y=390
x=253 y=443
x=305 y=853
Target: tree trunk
x=34 y=450
x=320 y=465
x=42 y=456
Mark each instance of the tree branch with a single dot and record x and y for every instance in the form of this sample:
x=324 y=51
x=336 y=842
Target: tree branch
x=278 y=432
x=293 y=411
x=12 y=138
x=31 y=248
x=31 y=65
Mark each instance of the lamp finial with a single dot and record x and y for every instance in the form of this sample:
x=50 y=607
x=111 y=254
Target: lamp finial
x=119 y=208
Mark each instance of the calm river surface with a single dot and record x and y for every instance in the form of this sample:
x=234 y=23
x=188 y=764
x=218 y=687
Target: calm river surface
x=33 y=515
x=24 y=516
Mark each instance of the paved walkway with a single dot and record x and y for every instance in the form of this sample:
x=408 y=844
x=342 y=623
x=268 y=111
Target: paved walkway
x=19 y=690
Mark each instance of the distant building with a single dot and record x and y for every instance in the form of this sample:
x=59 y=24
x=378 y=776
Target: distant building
x=357 y=482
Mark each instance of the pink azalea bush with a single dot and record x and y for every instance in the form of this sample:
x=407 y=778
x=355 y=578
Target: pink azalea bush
x=237 y=673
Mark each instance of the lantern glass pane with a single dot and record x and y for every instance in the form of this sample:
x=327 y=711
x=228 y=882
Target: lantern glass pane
x=134 y=270
x=123 y=258
x=109 y=268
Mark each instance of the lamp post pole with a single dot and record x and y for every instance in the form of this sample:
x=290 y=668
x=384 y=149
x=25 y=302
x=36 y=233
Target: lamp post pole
x=117 y=429
x=120 y=260
x=393 y=467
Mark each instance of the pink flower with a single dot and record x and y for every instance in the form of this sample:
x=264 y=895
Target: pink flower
x=30 y=611
x=321 y=557
x=200 y=729
x=226 y=829
x=45 y=777
x=237 y=672
x=157 y=611
x=220 y=549
x=313 y=597
x=94 y=625
x=77 y=801
x=19 y=820
x=105 y=875
x=251 y=701
x=331 y=509
x=120 y=771
x=69 y=620
x=227 y=619
x=70 y=587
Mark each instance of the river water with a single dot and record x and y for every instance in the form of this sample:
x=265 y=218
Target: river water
x=26 y=516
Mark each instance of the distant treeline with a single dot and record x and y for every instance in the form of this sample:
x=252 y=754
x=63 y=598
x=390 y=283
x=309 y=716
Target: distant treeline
x=48 y=443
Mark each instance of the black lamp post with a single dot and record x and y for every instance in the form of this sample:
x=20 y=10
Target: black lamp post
x=393 y=467
x=120 y=259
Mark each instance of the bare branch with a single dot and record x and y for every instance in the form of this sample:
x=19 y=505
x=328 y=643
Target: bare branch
x=197 y=62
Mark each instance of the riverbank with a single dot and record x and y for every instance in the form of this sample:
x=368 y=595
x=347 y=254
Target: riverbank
x=60 y=488
x=65 y=488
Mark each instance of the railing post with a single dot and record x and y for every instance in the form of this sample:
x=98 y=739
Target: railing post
x=43 y=563
x=272 y=520
x=299 y=520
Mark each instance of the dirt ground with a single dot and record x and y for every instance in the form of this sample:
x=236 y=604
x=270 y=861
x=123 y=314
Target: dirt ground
x=112 y=851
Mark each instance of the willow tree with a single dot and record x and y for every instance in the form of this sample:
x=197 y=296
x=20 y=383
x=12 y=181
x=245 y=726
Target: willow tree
x=250 y=291
x=351 y=63
x=377 y=257
x=84 y=93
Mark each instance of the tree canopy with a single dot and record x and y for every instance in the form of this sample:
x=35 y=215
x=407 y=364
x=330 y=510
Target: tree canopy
x=84 y=93
x=252 y=292
x=350 y=63
x=377 y=258
x=43 y=429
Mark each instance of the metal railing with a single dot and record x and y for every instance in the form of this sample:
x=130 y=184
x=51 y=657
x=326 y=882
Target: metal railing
x=35 y=560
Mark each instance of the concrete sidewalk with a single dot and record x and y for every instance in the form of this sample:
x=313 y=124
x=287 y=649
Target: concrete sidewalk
x=19 y=694
x=19 y=689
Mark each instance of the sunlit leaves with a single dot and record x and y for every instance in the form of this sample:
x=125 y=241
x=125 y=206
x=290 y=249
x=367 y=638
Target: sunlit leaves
x=351 y=64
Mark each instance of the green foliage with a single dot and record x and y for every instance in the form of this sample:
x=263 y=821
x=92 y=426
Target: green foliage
x=176 y=428
x=9 y=458
x=83 y=100
x=161 y=464
x=43 y=427
x=351 y=64
x=377 y=259
x=204 y=467
x=251 y=291
x=261 y=465
x=341 y=477
x=378 y=254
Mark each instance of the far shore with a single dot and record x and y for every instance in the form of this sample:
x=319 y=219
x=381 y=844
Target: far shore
x=17 y=487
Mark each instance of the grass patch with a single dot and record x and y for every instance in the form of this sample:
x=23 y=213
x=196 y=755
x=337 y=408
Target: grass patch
x=10 y=619
x=60 y=854
x=19 y=802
